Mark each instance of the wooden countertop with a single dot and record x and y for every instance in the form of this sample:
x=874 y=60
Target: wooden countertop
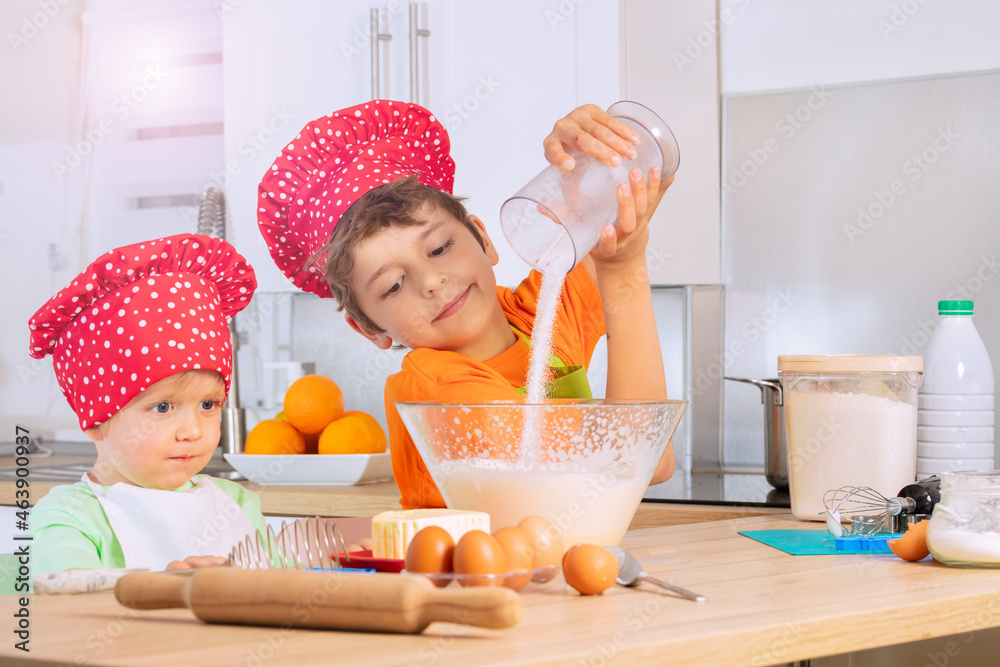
x=764 y=607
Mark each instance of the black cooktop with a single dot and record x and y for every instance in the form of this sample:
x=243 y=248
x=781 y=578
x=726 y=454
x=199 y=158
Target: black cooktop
x=731 y=488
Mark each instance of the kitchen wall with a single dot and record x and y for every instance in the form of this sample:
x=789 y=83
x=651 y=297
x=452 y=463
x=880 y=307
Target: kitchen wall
x=40 y=236
x=846 y=235
x=111 y=130
x=827 y=108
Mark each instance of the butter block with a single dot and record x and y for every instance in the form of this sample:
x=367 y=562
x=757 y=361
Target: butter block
x=392 y=531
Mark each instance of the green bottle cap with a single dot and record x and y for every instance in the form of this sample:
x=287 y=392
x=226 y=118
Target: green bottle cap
x=954 y=308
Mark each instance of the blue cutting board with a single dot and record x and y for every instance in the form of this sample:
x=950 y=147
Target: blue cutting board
x=805 y=542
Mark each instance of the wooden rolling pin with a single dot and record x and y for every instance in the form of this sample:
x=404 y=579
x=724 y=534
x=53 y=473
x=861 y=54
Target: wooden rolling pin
x=332 y=600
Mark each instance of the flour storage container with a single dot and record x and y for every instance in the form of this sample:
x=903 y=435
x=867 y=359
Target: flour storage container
x=851 y=421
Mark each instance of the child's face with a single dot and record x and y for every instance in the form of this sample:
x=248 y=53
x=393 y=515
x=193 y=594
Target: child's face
x=429 y=285
x=163 y=436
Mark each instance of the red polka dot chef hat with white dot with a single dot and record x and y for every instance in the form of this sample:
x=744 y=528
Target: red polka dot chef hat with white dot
x=331 y=164
x=139 y=314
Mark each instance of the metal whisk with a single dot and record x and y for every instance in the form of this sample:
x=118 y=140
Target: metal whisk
x=863 y=500
x=306 y=544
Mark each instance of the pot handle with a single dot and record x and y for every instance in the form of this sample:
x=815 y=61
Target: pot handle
x=771 y=384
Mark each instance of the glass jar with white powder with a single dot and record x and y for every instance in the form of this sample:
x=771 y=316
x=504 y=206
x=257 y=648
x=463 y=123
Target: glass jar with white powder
x=965 y=528
x=851 y=421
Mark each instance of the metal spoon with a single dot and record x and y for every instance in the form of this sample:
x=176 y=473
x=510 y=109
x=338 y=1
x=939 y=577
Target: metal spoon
x=630 y=573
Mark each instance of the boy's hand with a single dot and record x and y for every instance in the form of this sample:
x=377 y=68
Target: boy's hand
x=192 y=562
x=627 y=239
x=590 y=130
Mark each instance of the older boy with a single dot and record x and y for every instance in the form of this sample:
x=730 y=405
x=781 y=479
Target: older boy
x=141 y=349
x=359 y=207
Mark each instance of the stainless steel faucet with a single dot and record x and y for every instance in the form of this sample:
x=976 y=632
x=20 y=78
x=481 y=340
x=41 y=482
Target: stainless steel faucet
x=212 y=222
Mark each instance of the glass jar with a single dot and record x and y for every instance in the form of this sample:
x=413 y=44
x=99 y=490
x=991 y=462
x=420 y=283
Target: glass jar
x=851 y=421
x=965 y=528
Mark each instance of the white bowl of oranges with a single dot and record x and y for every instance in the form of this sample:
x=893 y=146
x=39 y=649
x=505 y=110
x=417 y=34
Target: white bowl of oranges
x=314 y=441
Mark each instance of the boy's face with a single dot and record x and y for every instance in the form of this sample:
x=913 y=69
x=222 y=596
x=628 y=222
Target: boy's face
x=163 y=436
x=429 y=285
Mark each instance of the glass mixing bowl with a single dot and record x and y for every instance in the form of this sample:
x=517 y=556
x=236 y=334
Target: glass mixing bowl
x=582 y=464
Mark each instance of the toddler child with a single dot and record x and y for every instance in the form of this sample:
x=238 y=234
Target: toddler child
x=359 y=207
x=141 y=350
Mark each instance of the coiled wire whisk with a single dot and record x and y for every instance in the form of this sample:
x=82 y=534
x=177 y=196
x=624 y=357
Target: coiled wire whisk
x=306 y=544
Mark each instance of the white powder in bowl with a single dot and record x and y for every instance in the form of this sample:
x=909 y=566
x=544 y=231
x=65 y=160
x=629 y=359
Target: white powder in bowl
x=963 y=545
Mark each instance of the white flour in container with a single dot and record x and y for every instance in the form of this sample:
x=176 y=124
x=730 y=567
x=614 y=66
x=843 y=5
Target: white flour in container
x=847 y=439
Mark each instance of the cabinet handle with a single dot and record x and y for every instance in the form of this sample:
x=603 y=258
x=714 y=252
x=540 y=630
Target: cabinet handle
x=377 y=36
x=415 y=32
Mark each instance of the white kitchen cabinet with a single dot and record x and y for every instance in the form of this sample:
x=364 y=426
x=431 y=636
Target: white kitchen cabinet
x=497 y=75
x=286 y=63
x=149 y=127
x=513 y=74
x=670 y=64
x=290 y=62
x=789 y=44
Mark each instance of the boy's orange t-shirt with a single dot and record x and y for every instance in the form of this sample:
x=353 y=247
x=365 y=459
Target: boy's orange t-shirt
x=448 y=376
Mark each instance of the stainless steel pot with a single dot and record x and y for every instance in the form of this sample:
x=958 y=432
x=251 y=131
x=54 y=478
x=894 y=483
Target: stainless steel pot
x=775 y=433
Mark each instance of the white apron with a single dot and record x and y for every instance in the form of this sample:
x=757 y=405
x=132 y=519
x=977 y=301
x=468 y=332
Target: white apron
x=155 y=527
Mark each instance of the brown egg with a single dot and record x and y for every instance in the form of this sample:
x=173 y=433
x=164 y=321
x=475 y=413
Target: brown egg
x=516 y=545
x=590 y=569
x=546 y=542
x=478 y=552
x=912 y=546
x=431 y=551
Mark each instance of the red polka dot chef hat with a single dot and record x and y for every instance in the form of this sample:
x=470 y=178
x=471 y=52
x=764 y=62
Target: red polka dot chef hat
x=331 y=164
x=139 y=314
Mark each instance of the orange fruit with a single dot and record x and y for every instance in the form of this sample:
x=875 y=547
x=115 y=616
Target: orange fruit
x=312 y=402
x=351 y=435
x=274 y=436
x=371 y=421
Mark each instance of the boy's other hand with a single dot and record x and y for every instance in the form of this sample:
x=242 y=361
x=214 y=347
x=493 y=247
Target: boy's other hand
x=590 y=130
x=627 y=239
x=192 y=562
